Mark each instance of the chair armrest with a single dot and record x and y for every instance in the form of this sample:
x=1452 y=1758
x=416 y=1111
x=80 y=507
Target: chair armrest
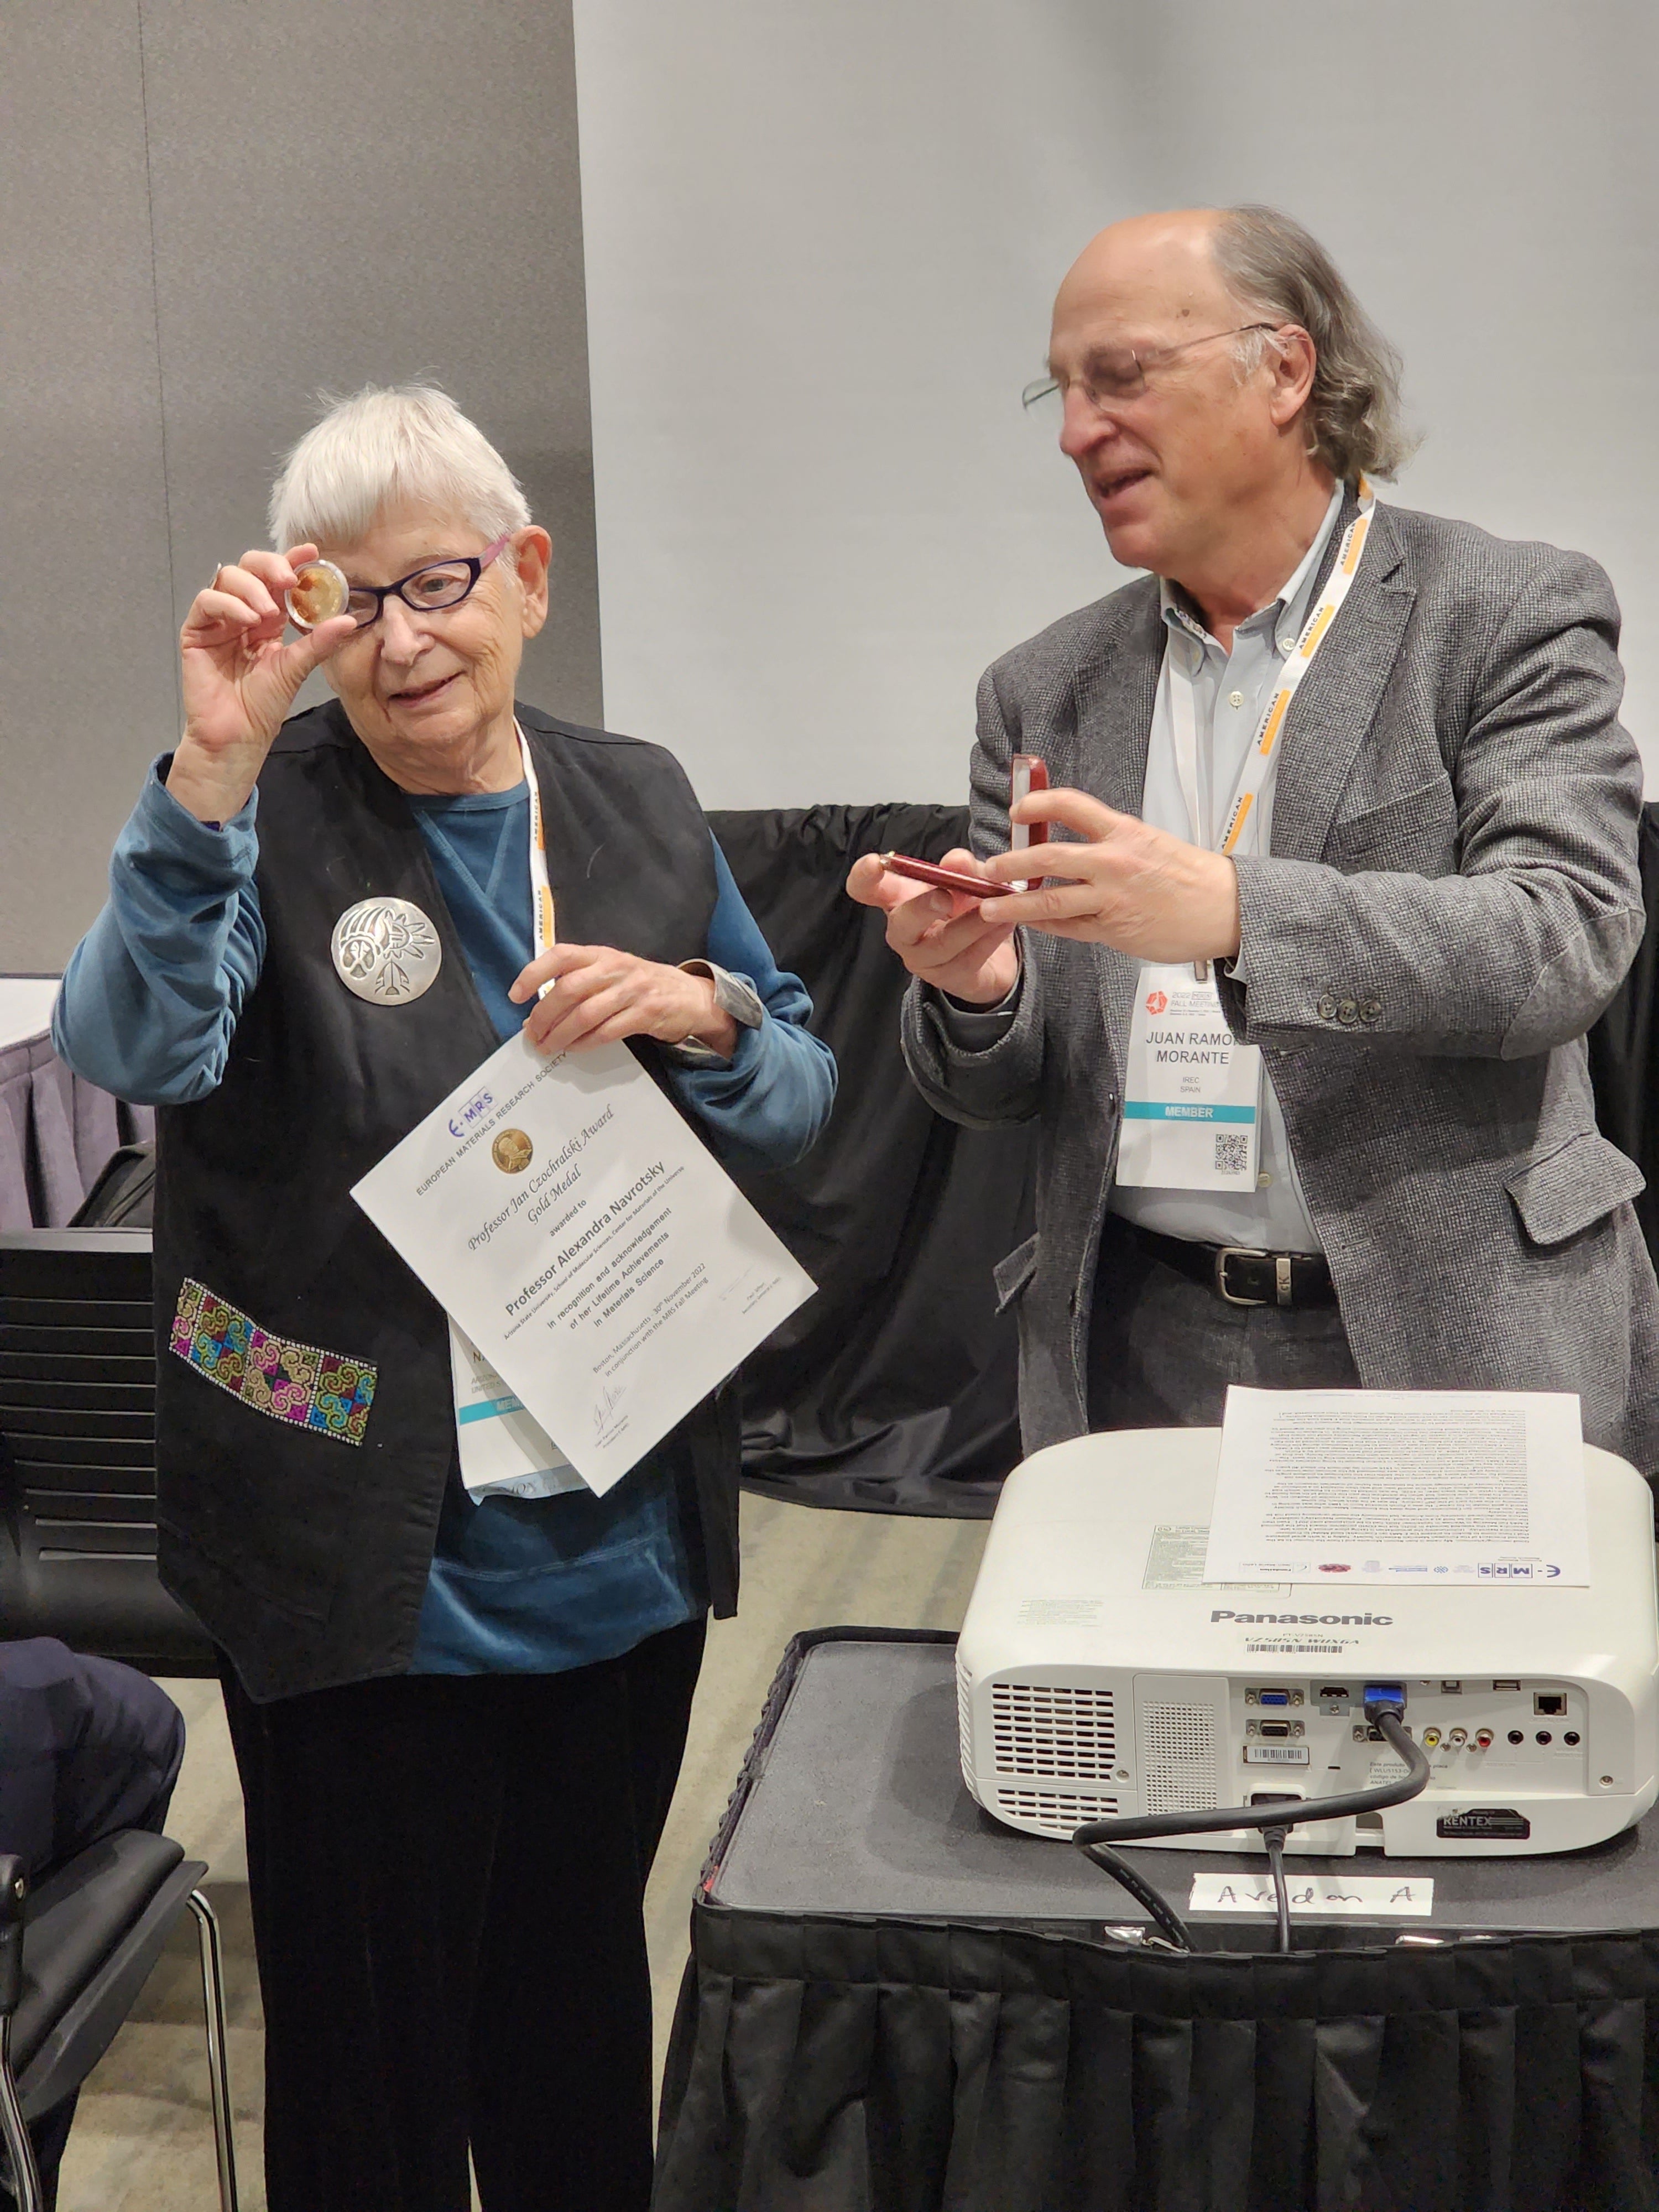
x=13 y=1891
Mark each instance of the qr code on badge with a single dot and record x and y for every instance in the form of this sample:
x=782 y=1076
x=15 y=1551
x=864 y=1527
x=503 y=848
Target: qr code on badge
x=1232 y=1151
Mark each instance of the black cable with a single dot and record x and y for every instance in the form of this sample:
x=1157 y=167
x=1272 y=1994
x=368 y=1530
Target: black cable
x=1141 y=1828
x=1110 y=1861
x=1274 y=1840
x=1095 y=1837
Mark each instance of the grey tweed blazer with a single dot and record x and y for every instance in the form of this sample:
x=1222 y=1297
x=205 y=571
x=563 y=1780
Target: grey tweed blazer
x=1451 y=898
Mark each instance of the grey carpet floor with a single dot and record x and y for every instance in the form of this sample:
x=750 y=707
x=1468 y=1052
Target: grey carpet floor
x=143 y=2138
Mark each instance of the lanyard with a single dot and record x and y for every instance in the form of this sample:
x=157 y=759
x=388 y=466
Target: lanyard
x=1261 y=760
x=501 y=1450
x=541 y=892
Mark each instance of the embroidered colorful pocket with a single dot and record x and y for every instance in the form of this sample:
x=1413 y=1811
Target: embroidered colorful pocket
x=299 y=1383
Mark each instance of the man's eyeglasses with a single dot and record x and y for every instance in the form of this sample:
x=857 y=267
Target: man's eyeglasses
x=438 y=584
x=1112 y=378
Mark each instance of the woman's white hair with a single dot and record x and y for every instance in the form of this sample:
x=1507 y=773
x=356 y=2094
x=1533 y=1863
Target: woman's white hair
x=390 y=446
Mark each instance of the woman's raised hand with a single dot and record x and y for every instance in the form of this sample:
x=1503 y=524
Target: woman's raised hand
x=240 y=678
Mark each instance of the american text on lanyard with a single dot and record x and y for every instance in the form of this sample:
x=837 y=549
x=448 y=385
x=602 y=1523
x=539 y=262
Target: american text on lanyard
x=541 y=892
x=503 y=1451
x=1262 y=759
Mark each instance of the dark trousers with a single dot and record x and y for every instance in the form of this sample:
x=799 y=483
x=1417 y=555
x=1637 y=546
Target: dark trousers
x=1163 y=1348
x=447 y=1877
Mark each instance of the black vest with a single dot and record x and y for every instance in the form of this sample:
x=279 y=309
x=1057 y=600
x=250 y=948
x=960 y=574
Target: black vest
x=306 y=1557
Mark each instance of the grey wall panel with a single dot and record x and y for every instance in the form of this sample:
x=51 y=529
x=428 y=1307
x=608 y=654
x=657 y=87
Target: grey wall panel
x=212 y=213
x=86 y=684
x=842 y=225
x=346 y=195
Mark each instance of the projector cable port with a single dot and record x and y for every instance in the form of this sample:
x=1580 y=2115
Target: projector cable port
x=1385 y=1703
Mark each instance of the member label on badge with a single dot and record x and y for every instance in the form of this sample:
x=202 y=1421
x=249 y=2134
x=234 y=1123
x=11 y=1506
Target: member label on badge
x=504 y=1453
x=385 y=951
x=1192 y=1101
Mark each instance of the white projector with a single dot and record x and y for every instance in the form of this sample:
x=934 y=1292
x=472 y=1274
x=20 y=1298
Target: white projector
x=1097 y=1675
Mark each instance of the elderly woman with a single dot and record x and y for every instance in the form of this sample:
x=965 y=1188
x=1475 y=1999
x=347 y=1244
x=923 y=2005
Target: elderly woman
x=457 y=1720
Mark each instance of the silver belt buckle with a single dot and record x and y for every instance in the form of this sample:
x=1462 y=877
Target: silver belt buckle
x=1226 y=1252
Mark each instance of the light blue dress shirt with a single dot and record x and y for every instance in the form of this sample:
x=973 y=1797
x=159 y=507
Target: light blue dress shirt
x=1231 y=692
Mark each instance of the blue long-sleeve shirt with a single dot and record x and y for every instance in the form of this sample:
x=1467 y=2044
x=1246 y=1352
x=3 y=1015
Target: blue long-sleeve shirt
x=150 y=1004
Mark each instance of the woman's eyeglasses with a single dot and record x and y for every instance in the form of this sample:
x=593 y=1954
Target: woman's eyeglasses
x=440 y=584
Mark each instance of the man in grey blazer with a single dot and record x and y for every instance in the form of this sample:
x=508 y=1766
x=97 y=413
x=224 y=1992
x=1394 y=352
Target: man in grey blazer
x=1411 y=885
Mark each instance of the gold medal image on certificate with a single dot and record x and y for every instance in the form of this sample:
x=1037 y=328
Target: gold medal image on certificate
x=1192 y=1097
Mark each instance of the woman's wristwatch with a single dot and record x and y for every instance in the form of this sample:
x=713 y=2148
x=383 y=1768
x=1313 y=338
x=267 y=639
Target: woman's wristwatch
x=734 y=997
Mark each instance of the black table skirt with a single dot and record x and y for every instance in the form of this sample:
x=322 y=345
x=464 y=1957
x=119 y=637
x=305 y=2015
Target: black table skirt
x=855 y=2061
x=893 y=2068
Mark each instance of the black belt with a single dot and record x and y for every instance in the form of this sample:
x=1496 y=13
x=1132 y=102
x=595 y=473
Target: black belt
x=1243 y=1276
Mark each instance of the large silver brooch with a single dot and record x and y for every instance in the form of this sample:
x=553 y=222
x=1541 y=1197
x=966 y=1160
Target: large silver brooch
x=385 y=951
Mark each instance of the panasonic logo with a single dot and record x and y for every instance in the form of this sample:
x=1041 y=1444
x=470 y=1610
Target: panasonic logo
x=1311 y=1619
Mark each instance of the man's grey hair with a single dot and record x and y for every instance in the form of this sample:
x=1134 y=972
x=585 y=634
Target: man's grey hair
x=389 y=447
x=1278 y=270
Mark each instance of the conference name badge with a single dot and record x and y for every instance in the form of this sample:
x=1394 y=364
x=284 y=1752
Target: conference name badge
x=385 y=951
x=504 y=1451
x=1192 y=1103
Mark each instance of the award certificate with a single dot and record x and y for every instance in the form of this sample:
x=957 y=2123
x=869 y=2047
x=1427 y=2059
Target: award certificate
x=600 y=1261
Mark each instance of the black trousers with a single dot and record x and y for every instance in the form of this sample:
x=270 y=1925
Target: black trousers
x=1163 y=1348
x=446 y=1876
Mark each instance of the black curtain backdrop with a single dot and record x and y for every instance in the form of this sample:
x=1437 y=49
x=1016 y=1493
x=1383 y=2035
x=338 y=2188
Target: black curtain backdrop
x=894 y=1389
x=1624 y=1048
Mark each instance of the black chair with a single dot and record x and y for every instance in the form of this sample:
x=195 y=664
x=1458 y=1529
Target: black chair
x=77 y=1451
x=74 y=1954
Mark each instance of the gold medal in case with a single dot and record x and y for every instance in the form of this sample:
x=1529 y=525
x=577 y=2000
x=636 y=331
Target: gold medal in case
x=320 y=593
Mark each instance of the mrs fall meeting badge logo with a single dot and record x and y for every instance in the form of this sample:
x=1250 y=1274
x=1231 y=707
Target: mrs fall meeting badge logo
x=512 y=1152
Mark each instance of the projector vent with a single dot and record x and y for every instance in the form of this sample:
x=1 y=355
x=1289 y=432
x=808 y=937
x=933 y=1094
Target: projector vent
x=1068 y=1734
x=1177 y=1745
x=1053 y=1814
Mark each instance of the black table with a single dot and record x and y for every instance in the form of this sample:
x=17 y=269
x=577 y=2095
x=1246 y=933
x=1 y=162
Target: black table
x=894 y=2001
